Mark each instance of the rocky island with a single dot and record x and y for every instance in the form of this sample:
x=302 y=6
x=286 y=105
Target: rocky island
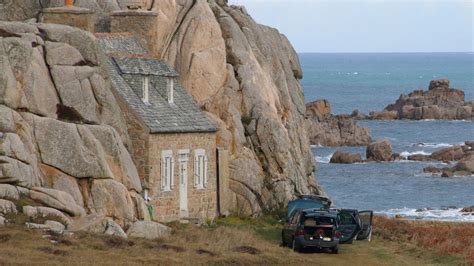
x=438 y=102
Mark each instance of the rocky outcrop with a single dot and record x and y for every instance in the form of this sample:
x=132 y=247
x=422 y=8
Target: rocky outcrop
x=55 y=169
x=329 y=130
x=345 y=158
x=439 y=102
x=380 y=151
x=463 y=154
x=244 y=74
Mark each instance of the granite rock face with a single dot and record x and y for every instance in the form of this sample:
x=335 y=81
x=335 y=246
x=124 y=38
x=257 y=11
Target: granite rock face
x=334 y=130
x=244 y=74
x=62 y=137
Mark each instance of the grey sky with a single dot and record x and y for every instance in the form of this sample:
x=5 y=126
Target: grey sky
x=369 y=25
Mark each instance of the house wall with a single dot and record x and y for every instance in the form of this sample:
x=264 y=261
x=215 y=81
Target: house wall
x=139 y=138
x=202 y=203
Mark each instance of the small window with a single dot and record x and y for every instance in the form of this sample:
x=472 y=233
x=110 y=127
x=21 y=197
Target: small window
x=200 y=169
x=167 y=170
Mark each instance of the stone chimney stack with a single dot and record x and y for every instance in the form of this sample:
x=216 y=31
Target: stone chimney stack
x=68 y=14
x=137 y=20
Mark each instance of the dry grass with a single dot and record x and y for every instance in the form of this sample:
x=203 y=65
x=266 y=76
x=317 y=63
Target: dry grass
x=444 y=238
x=229 y=241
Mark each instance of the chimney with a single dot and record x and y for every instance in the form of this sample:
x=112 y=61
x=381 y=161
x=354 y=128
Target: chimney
x=142 y=23
x=145 y=89
x=170 y=89
x=70 y=15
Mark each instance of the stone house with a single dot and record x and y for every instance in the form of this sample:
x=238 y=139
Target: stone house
x=173 y=142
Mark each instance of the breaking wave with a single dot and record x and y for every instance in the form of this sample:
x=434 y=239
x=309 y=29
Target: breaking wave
x=405 y=154
x=324 y=159
x=432 y=145
x=443 y=214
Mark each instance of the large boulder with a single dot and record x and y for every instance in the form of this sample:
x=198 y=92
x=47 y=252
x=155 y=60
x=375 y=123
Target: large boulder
x=319 y=109
x=63 y=182
x=148 y=230
x=380 y=151
x=439 y=83
x=454 y=153
x=345 y=158
x=71 y=148
x=9 y=192
x=18 y=173
x=111 y=198
x=39 y=214
x=97 y=224
x=7 y=207
x=328 y=130
x=466 y=164
x=51 y=226
x=384 y=115
x=57 y=199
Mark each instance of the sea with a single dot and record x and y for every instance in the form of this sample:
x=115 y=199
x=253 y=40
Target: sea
x=369 y=82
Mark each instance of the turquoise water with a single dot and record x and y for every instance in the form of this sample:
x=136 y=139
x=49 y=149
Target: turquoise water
x=370 y=82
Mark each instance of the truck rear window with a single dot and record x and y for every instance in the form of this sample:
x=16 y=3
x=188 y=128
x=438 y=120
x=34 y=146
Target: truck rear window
x=318 y=221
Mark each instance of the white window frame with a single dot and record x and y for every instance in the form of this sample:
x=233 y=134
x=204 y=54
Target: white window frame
x=200 y=169
x=167 y=170
x=145 y=89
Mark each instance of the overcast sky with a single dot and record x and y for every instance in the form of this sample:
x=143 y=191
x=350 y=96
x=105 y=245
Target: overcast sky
x=369 y=25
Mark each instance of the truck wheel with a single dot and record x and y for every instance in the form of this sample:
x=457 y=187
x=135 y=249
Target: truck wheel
x=335 y=250
x=296 y=247
x=283 y=243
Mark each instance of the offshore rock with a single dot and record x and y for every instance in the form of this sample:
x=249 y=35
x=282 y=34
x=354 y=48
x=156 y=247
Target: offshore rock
x=329 y=130
x=380 y=151
x=439 y=102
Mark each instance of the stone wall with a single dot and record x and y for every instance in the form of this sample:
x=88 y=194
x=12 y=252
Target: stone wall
x=143 y=24
x=202 y=203
x=76 y=17
x=139 y=141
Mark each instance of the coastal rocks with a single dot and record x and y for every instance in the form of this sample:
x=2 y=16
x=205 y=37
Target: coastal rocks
x=384 y=115
x=329 y=130
x=111 y=198
x=98 y=224
x=380 y=151
x=39 y=214
x=52 y=226
x=148 y=230
x=7 y=207
x=345 y=158
x=439 y=102
x=57 y=199
x=463 y=154
x=449 y=154
x=468 y=209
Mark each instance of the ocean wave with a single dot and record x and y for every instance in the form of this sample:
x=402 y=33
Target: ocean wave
x=317 y=146
x=432 y=145
x=444 y=214
x=324 y=159
x=405 y=154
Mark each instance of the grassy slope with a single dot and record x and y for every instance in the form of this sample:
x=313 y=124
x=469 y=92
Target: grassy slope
x=215 y=245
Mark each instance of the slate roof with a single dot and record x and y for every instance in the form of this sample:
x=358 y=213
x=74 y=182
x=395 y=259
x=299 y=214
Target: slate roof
x=181 y=116
x=144 y=66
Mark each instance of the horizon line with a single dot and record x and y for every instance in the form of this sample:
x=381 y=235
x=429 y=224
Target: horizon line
x=448 y=52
